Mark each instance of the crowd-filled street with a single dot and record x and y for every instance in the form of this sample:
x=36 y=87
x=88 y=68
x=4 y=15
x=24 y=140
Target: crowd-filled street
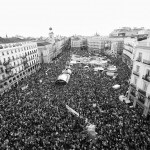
x=36 y=118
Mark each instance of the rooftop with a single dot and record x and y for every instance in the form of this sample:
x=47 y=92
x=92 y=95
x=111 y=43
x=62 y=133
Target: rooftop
x=12 y=40
x=42 y=43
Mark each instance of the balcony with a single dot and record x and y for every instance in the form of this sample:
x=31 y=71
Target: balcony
x=142 y=92
x=128 y=50
x=146 y=78
x=139 y=59
x=129 y=45
x=136 y=73
x=147 y=62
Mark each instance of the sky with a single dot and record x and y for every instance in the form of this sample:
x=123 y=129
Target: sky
x=70 y=17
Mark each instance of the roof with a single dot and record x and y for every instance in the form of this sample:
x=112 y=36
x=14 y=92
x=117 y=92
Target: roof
x=42 y=43
x=12 y=40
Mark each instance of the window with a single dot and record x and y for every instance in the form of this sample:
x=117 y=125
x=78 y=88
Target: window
x=7 y=53
x=145 y=85
x=135 y=80
x=148 y=72
x=137 y=68
x=140 y=56
x=3 y=53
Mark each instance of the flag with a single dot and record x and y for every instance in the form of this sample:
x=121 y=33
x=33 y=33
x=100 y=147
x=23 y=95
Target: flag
x=72 y=111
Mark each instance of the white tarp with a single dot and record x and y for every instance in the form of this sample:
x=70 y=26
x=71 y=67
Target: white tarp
x=94 y=105
x=73 y=62
x=24 y=87
x=72 y=111
x=110 y=73
x=98 y=68
x=112 y=68
x=117 y=86
x=91 y=130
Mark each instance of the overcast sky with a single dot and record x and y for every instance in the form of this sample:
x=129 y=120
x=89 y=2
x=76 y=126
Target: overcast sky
x=69 y=17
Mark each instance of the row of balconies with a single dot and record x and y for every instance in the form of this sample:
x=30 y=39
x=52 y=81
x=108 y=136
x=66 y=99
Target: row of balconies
x=24 y=59
x=12 y=79
x=129 y=45
x=10 y=73
x=147 y=62
x=130 y=51
x=140 y=94
x=12 y=45
x=145 y=77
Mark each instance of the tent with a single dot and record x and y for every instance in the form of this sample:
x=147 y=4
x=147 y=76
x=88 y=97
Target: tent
x=63 y=79
x=117 y=86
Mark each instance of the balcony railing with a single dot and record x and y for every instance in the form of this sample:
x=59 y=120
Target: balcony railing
x=129 y=45
x=133 y=93
x=146 y=78
x=147 y=62
x=133 y=85
x=139 y=59
x=136 y=73
x=128 y=50
x=142 y=92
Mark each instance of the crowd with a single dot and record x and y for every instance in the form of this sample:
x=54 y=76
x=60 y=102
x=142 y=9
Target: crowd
x=36 y=118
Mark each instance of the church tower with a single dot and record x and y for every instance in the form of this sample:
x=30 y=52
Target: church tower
x=51 y=36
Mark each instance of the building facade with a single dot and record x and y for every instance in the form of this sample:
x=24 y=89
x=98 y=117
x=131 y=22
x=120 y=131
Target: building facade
x=114 y=46
x=45 y=52
x=129 y=51
x=96 y=43
x=17 y=60
x=139 y=89
x=76 y=42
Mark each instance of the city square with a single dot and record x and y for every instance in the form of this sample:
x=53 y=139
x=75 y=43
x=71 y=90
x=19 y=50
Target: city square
x=38 y=118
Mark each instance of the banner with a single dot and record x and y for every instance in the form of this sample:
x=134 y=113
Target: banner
x=72 y=111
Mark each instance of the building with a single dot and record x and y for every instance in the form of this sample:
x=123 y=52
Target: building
x=45 y=51
x=114 y=46
x=140 y=33
x=96 y=43
x=76 y=42
x=17 y=60
x=139 y=89
x=129 y=51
